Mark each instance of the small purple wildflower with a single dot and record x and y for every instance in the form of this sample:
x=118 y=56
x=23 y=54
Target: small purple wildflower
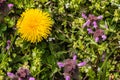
x=70 y=67
x=11 y=75
x=81 y=64
x=104 y=37
x=90 y=31
x=60 y=64
x=19 y=79
x=21 y=74
x=95 y=24
x=97 y=39
x=100 y=17
x=8 y=44
x=92 y=17
x=98 y=35
x=1 y=1
x=67 y=77
x=84 y=16
x=74 y=57
x=31 y=78
x=8 y=41
x=87 y=23
x=91 y=20
x=10 y=6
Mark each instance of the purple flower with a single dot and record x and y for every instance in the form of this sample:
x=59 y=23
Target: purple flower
x=74 y=57
x=81 y=64
x=10 y=6
x=95 y=24
x=100 y=17
x=92 y=17
x=84 y=16
x=8 y=44
x=91 y=20
x=1 y=1
x=67 y=77
x=60 y=64
x=84 y=25
x=31 y=78
x=20 y=79
x=70 y=67
x=11 y=75
x=99 y=35
x=97 y=39
x=8 y=41
x=87 y=23
x=21 y=74
x=90 y=31
x=104 y=37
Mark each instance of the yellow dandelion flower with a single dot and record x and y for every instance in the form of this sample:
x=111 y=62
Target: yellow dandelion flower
x=34 y=25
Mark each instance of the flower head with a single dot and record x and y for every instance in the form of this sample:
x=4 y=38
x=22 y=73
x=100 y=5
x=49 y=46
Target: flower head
x=34 y=25
x=100 y=17
x=90 y=31
x=84 y=16
x=91 y=20
x=96 y=39
x=11 y=75
x=81 y=64
x=8 y=44
x=70 y=67
x=31 y=78
x=10 y=6
x=99 y=34
x=67 y=78
x=21 y=74
x=1 y=1
x=95 y=24
x=60 y=64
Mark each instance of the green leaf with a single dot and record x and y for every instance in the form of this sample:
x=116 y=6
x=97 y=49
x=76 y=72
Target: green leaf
x=3 y=27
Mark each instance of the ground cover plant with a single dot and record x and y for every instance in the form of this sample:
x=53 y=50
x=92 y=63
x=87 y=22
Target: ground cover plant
x=59 y=39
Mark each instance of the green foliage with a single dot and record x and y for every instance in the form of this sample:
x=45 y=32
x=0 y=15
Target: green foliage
x=67 y=37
